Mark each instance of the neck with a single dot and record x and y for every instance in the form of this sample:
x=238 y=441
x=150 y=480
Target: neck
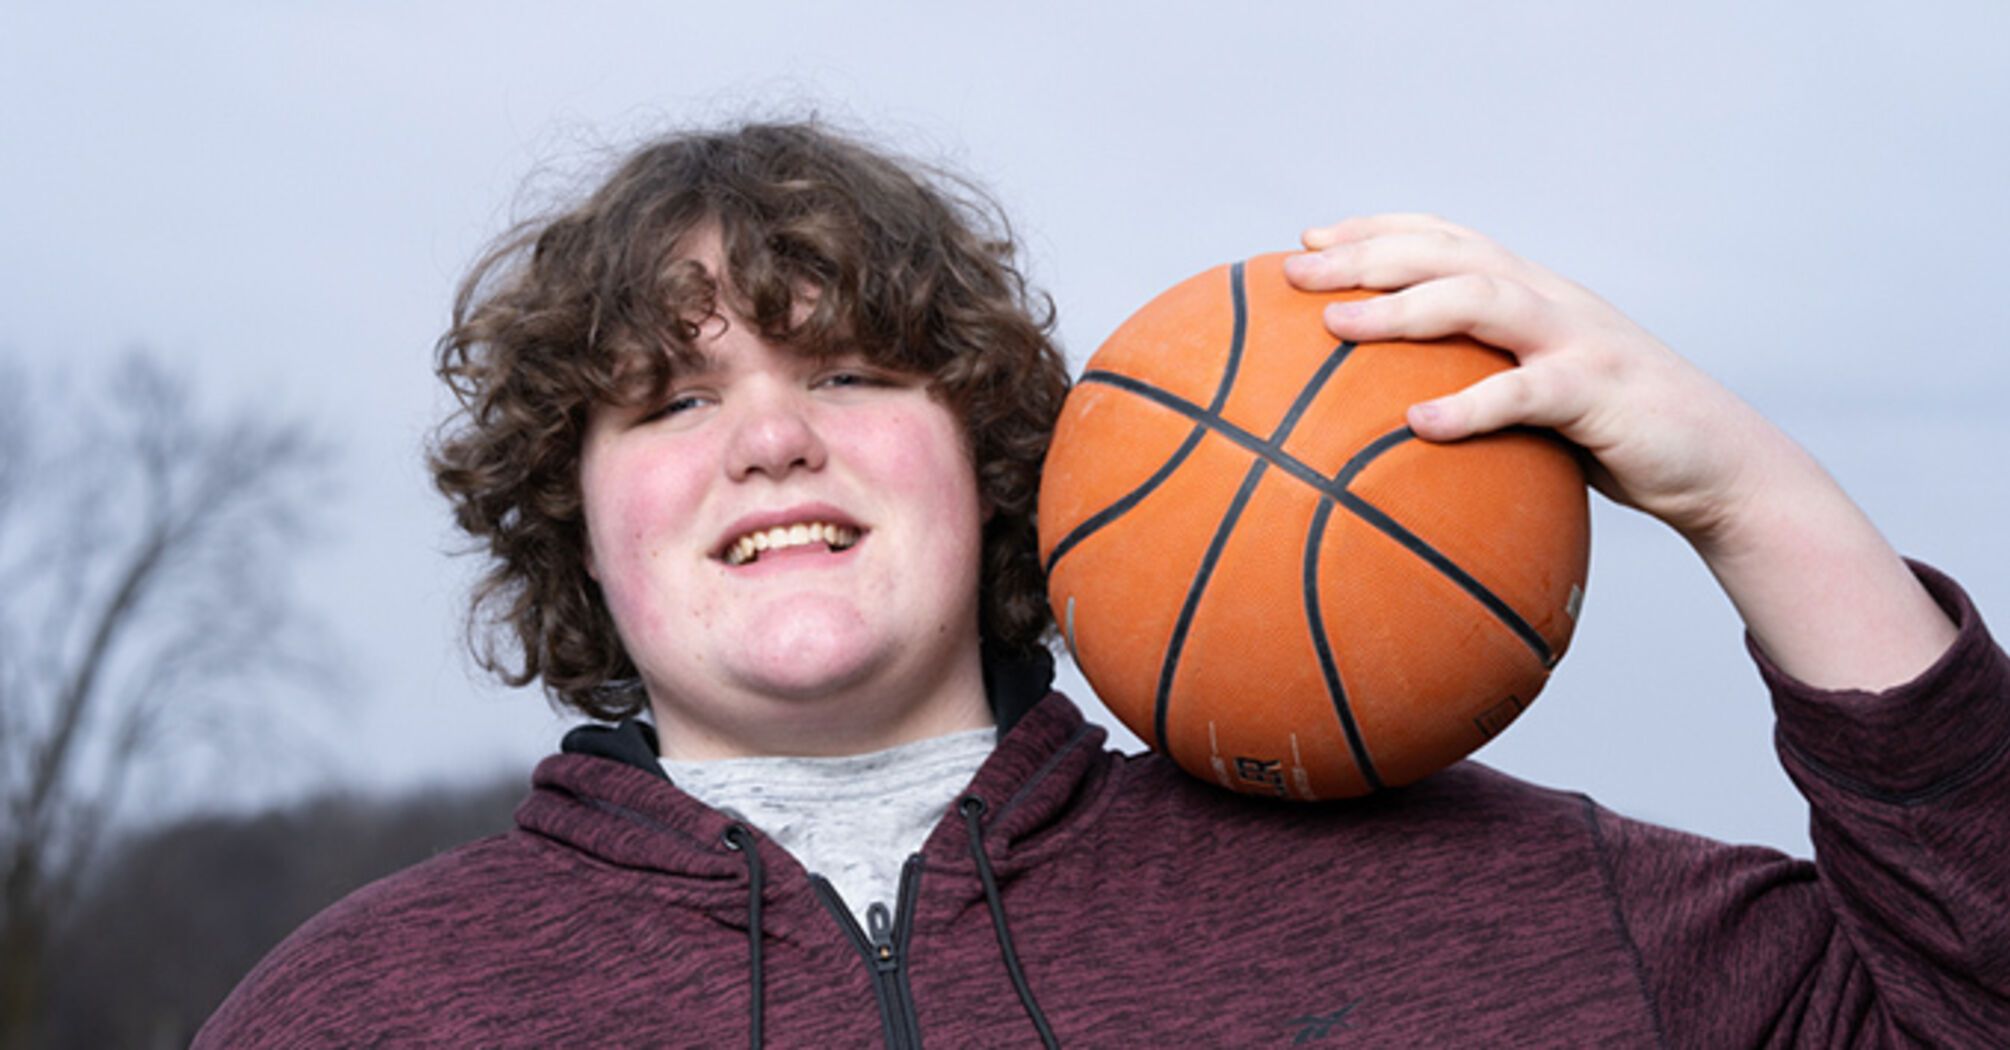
x=852 y=720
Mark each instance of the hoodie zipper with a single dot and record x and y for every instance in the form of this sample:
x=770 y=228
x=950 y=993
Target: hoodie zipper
x=884 y=949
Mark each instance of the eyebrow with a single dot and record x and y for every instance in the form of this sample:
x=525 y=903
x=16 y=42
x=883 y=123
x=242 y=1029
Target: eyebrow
x=708 y=363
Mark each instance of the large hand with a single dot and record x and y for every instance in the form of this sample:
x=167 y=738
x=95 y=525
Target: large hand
x=1817 y=585
x=1665 y=437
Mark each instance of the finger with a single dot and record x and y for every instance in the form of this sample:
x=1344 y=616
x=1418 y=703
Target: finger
x=1521 y=396
x=1498 y=311
x=1397 y=260
x=1357 y=227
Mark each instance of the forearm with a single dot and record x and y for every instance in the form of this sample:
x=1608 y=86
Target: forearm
x=1819 y=588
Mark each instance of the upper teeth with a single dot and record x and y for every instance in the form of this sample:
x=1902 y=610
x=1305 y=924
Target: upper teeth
x=748 y=547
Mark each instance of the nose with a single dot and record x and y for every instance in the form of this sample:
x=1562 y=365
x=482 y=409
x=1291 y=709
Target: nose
x=773 y=434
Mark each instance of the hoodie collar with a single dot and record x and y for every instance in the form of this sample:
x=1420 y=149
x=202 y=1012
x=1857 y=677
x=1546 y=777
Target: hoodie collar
x=606 y=794
x=1013 y=684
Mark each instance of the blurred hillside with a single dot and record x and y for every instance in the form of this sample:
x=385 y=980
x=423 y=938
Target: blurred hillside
x=179 y=913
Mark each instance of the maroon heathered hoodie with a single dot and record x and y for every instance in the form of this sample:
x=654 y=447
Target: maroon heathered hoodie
x=1129 y=905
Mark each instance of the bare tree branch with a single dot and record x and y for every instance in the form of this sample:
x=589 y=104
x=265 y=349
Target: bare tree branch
x=144 y=562
x=13 y=439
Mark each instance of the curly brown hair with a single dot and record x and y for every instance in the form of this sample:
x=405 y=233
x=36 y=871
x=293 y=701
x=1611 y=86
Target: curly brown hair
x=830 y=246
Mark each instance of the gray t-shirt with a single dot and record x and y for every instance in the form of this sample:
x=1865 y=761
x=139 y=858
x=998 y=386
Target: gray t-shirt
x=853 y=819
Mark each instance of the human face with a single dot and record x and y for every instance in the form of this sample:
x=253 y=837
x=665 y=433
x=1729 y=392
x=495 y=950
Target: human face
x=859 y=632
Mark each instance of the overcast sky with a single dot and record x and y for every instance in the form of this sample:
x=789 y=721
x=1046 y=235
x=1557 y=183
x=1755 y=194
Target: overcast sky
x=1809 y=200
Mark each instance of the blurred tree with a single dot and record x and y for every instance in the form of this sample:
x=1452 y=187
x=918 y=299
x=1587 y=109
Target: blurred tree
x=143 y=572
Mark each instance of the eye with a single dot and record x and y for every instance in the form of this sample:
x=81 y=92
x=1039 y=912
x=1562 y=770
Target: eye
x=677 y=403
x=853 y=372
x=850 y=377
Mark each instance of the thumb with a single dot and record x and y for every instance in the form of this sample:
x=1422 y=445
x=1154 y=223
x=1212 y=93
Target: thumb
x=1501 y=400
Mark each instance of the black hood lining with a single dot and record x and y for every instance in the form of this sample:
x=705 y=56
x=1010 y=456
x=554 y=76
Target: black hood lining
x=1012 y=683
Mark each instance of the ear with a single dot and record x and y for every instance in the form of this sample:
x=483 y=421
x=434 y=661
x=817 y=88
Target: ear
x=592 y=564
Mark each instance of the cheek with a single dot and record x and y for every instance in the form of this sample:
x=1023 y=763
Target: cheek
x=925 y=459
x=634 y=508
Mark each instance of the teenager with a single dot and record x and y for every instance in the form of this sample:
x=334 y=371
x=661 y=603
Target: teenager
x=752 y=435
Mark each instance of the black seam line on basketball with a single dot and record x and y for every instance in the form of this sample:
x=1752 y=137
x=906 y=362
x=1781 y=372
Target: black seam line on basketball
x=1347 y=472
x=1312 y=388
x=1239 y=297
x=1375 y=516
x=1169 y=668
x=1095 y=522
x=1336 y=491
x=1479 y=591
x=1500 y=609
x=1324 y=648
x=1170 y=665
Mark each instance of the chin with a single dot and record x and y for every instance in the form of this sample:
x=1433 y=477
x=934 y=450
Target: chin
x=808 y=657
x=805 y=682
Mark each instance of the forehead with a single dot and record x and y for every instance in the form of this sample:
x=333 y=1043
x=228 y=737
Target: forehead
x=727 y=344
x=719 y=302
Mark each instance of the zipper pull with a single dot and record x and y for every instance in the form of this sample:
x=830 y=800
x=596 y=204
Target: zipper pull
x=879 y=926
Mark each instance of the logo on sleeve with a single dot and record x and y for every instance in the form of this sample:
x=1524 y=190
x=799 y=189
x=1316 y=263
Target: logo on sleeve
x=1319 y=1026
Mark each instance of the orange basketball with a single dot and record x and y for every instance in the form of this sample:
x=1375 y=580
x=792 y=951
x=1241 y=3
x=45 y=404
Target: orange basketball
x=1268 y=577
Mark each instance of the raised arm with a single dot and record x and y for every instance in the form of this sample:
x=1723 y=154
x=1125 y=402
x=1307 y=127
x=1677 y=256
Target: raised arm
x=1893 y=721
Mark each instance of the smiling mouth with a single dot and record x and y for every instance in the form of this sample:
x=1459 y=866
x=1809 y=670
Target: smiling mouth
x=750 y=547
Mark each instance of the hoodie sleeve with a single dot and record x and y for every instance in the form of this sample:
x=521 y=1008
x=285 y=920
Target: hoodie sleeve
x=1898 y=934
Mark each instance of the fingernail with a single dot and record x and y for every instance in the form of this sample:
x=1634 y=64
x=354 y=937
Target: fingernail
x=1347 y=311
x=1426 y=414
